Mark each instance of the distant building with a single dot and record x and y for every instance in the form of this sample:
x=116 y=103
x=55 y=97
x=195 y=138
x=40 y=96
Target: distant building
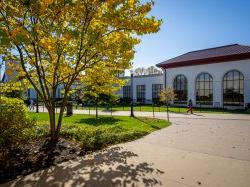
x=146 y=88
x=215 y=77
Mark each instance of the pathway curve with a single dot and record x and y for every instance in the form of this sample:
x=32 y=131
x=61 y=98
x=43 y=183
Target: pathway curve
x=209 y=150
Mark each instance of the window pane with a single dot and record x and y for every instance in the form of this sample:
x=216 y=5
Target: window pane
x=241 y=84
x=236 y=75
x=233 y=88
x=126 y=92
x=156 y=90
x=204 y=89
x=197 y=85
x=206 y=85
x=140 y=92
x=237 y=85
x=230 y=84
x=230 y=75
x=202 y=85
x=210 y=85
x=180 y=88
x=206 y=76
x=202 y=77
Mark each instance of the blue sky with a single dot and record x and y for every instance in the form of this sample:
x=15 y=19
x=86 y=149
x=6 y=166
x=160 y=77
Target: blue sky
x=194 y=24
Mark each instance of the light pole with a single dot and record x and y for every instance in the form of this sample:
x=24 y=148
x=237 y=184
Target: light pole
x=132 y=98
x=37 y=107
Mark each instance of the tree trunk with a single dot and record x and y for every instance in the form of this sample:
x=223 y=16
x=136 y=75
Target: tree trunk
x=52 y=124
x=167 y=112
x=59 y=122
x=96 y=111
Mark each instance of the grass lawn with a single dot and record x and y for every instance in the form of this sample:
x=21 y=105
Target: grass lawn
x=149 y=108
x=98 y=133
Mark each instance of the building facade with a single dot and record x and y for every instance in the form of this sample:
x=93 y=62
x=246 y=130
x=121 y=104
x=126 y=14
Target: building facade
x=146 y=88
x=217 y=77
x=212 y=85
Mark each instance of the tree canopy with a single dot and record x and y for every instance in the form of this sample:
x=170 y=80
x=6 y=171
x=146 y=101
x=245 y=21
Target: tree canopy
x=152 y=70
x=54 y=42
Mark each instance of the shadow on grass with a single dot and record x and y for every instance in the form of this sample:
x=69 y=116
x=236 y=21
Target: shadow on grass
x=99 y=121
x=146 y=122
x=105 y=168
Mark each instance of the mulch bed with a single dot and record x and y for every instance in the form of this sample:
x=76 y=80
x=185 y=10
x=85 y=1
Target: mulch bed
x=36 y=155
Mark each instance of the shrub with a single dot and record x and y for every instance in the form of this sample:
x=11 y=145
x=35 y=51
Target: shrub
x=14 y=122
x=94 y=138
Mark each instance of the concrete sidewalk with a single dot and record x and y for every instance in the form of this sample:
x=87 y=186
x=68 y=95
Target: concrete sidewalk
x=209 y=151
x=163 y=115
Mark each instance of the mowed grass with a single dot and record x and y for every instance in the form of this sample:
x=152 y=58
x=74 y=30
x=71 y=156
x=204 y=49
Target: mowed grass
x=98 y=133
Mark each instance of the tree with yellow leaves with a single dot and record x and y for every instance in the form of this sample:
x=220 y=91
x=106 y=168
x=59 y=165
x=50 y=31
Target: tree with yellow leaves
x=100 y=84
x=55 y=42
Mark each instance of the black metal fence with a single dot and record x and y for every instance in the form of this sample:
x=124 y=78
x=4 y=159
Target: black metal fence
x=110 y=108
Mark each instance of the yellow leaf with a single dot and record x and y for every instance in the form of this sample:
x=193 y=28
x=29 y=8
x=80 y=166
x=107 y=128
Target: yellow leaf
x=9 y=72
x=47 y=2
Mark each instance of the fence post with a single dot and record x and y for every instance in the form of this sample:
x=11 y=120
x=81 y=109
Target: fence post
x=111 y=109
x=153 y=110
x=167 y=111
x=89 y=109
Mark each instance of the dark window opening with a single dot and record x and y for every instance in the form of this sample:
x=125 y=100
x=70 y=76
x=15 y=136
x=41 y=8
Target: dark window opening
x=180 y=89
x=127 y=94
x=140 y=93
x=233 y=88
x=204 y=89
x=156 y=90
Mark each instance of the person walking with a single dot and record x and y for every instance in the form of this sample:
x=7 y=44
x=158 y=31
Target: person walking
x=190 y=106
x=31 y=106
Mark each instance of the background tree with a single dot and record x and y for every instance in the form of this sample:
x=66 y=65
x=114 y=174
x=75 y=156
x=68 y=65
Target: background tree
x=167 y=95
x=55 y=41
x=152 y=70
x=139 y=71
x=99 y=85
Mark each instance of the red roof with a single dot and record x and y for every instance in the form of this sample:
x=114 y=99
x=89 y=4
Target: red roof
x=207 y=56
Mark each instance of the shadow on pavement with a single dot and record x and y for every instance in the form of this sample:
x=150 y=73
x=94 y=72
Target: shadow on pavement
x=105 y=168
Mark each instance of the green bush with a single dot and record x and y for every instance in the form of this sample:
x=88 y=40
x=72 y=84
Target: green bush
x=94 y=138
x=97 y=133
x=14 y=122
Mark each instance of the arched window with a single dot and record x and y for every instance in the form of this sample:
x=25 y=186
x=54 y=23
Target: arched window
x=180 y=89
x=233 y=88
x=204 y=89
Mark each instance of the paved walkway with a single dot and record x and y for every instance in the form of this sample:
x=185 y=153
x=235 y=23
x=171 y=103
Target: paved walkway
x=209 y=150
x=163 y=115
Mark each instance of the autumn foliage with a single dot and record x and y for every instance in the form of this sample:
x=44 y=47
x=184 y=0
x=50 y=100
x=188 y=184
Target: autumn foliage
x=55 y=42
